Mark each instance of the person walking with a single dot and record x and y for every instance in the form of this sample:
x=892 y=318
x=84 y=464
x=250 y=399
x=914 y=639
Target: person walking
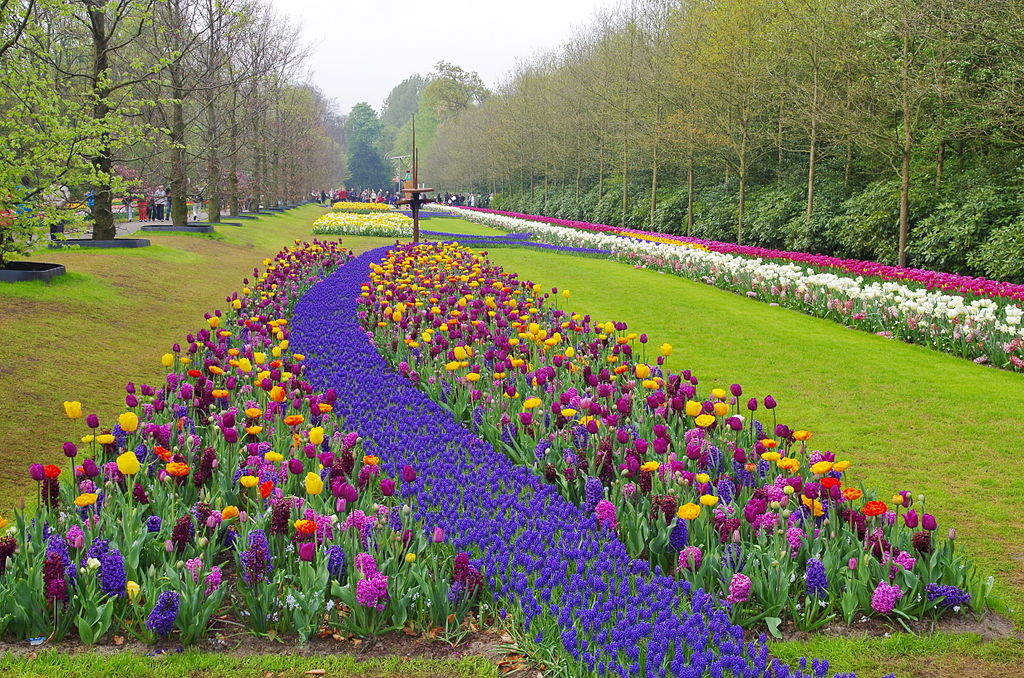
x=159 y=195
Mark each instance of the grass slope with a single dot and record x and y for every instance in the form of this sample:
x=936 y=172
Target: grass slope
x=908 y=418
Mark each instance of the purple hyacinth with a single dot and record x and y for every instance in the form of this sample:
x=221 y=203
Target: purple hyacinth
x=817 y=581
x=679 y=537
x=336 y=563
x=112 y=577
x=154 y=523
x=739 y=589
x=593 y=492
x=947 y=595
x=163 y=615
x=257 y=563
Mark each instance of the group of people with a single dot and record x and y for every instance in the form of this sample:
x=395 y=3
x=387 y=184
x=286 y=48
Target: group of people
x=464 y=200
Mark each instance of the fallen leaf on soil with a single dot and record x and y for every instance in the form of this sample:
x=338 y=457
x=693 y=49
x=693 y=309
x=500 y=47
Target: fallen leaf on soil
x=338 y=637
x=357 y=641
x=505 y=638
x=118 y=640
x=325 y=633
x=409 y=631
x=315 y=672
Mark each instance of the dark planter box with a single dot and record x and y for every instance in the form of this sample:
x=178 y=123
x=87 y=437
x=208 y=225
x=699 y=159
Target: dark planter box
x=24 y=271
x=178 y=229
x=244 y=216
x=193 y=224
x=102 y=244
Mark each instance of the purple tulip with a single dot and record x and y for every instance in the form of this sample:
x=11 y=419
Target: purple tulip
x=438 y=535
x=929 y=523
x=387 y=487
x=36 y=473
x=752 y=404
x=408 y=474
x=769 y=402
x=295 y=466
x=307 y=550
x=90 y=469
x=92 y=421
x=736 y=390
x=70 y=450
x=910 y=519
x=349 y=493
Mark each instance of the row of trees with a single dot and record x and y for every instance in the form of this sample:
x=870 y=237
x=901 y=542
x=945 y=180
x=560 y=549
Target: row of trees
x=206 y=97
x=884 y=129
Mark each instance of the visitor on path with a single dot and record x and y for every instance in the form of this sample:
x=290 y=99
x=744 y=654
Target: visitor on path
x=159 y=196
x=197 y=204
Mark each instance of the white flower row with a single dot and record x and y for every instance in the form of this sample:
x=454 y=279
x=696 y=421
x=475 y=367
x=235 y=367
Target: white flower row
x=374 y=224
x=978 y=328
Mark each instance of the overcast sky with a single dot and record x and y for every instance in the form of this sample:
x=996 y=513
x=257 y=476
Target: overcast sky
x=363 y=48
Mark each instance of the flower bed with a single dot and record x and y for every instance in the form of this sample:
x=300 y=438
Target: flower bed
x=574 y=599
x=361 y=207
x=688 y=479
x=926 y=278
x=230 y=496
x=381 y=224
x=985 y=330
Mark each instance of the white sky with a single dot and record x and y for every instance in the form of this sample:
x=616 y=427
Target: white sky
x=363 y=48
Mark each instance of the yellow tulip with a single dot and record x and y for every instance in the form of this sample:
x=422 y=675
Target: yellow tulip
x=568 y=412
x=688 y=511
x=704 y=420
x=86 y=499
x=167 y=359
x=643 y=371
x=460 y=353
x=650 y=466
x=214 y=322
x=249 y=481
x=314 y=484
x=73 y=409
x=666 y=350
x=316 y=435
x=708 y=500
x=718 y=393
x=693 y=408
x=531 y=403
x=229 y=512
x=4 y=523
x=88 y=438
x=721 y=409
x=273 y=456
x=410 y=557
x=128 y=463
x=132 y=588
x=129 y=421
x=473 y=377
x=821 y=468
x=105 y=439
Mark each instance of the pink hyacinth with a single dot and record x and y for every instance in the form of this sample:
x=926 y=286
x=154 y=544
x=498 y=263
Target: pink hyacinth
x=690 y=557
x=194 y=566
x=739 y=589
x=213 y=580
x=372 y=591
x=883 y=600
x=605 y=511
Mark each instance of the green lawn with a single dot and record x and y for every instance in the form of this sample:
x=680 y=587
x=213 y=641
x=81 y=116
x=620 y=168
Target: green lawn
x=909 y=418
x=194 y=664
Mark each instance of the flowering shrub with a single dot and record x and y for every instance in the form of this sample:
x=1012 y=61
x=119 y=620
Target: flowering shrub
x=688 y=479
x=979 y=328
x=384 y=224
x=361 y=207
x=231 y=490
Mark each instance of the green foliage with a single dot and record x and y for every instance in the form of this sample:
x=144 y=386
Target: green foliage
x=367 y=167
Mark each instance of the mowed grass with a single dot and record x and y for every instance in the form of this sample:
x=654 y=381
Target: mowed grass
x=909 y=418
x=194 y=664
x=83 y=336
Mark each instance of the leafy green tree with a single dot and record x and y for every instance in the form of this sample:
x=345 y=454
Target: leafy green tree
x=367 y=167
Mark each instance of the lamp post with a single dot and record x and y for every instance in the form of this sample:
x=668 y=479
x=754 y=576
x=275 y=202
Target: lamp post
x=417 y=196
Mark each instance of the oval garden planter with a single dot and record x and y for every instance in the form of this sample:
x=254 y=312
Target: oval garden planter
x=102 y=244
x=177 y=229
x=24 y=271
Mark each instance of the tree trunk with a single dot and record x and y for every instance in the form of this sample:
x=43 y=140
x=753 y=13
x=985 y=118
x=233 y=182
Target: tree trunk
x=213 y=166
x=940 y=162
x=625 y=179
x=811 y=162
x=654 y=171
x=179 y=172
x=689 y=189
x=103 y=227
x=907 y=148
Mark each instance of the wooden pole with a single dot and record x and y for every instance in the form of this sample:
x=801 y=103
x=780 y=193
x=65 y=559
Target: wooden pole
x=415 y=184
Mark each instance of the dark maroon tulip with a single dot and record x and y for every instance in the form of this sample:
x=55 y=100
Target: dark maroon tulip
x=70 y=450
x=349 y=493
x=231 y=436
x=131 y=401
x=295 y=466
x=736 y=390
x=307 y=550
x=735 y=423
